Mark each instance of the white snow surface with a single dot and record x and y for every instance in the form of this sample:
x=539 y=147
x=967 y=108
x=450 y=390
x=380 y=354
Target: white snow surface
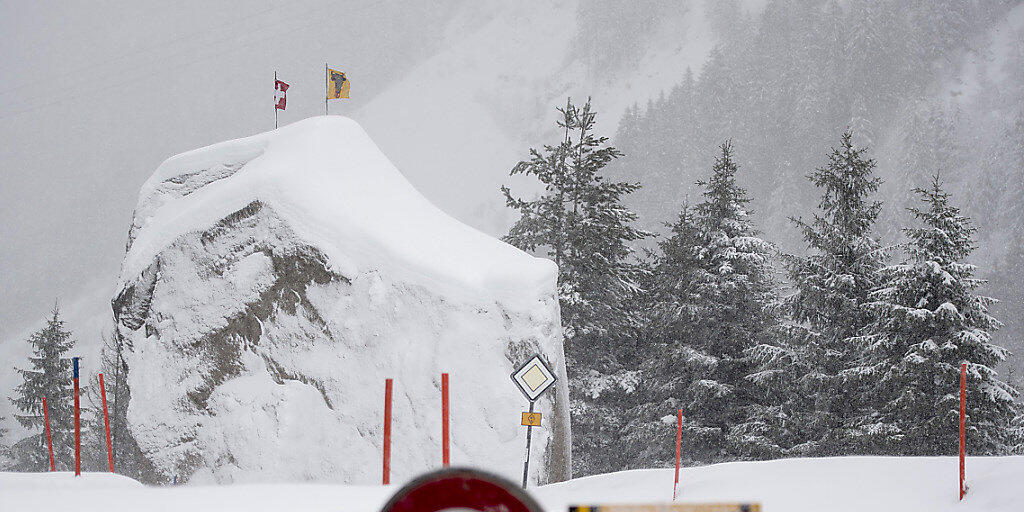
x=332 y=185
x=837 y=484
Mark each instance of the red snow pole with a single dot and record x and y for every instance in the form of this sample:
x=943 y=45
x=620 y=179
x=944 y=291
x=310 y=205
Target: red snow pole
x=444 y=420
x=679 y=450
x=78 y=429
x=963 y=413
x=106 y=425
x=49 y=443
x=387 y=432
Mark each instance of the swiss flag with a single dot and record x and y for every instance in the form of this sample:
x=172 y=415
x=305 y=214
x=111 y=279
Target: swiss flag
x=280 y=97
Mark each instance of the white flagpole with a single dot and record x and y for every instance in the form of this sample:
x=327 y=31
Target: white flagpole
x=275 y=97
x=326 y=87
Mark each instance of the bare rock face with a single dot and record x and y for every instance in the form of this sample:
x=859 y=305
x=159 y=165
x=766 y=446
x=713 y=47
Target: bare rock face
x=273 y=283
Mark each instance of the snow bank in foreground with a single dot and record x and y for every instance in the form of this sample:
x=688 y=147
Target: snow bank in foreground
x=838 y=484
x=272 y=283
x=43 y=483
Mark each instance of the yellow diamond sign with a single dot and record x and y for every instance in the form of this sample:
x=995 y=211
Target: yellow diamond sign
x=533 y=378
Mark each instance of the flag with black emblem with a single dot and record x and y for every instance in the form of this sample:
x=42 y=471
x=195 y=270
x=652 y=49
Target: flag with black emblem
x=337 y=84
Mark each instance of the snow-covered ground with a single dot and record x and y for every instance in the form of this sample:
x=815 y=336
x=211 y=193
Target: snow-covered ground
x=877 y=484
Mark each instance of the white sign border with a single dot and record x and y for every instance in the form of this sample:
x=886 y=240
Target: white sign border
x=523 y=369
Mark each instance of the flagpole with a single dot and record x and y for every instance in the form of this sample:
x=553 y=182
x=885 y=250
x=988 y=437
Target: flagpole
x=326 y=89
x=275 y=97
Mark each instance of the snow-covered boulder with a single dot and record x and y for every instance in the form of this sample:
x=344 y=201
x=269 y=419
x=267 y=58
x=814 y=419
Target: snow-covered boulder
x=272 y=283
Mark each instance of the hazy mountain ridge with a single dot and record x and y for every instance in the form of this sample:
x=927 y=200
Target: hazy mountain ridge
x=931 y=86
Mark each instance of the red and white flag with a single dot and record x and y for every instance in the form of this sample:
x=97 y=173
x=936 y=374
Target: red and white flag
x=280 y=96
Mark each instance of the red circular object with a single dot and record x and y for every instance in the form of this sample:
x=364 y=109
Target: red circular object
x=460 y=488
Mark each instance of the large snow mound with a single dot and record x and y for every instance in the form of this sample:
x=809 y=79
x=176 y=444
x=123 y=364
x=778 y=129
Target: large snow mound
x=273 y=283
x=836 y=484
x=332 y=184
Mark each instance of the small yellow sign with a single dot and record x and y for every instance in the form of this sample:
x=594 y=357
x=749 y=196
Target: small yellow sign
x=531 y=419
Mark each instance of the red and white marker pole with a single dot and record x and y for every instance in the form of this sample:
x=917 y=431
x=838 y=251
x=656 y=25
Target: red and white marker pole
x=106 y=425
x=963 y=414
x=49 y=442
x=387 y=432
x=445 y=459
x=679 y=451
x=78 y=425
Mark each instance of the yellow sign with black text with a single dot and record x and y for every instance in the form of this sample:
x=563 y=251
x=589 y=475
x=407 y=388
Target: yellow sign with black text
x=671 y=507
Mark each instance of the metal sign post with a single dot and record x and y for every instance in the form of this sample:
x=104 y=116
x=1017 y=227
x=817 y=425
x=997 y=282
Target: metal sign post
x=526 y=465
x=532 y=378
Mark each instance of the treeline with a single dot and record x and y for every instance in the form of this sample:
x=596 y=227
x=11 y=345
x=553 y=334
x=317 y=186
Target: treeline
x=849 y=347
x=784 y=81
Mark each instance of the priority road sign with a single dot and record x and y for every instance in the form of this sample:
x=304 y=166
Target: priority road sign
x=531 y=419
x=533 y=378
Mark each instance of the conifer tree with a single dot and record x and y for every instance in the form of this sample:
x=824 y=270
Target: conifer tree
x=830 y=286
x=715 y=301
x=929 y=320
x=671 y=307
x=580 y=222
x=50 y=377
x=737 y=309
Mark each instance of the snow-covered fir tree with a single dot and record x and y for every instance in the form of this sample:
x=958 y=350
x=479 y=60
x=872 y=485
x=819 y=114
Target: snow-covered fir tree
x=581 y=223
x=818 y=367
x=929 y=320
x=50 y=377
x=713 y=300
x=738 y=311
x=670 y=306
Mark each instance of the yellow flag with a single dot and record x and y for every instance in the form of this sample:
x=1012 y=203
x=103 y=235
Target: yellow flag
x=337 y=84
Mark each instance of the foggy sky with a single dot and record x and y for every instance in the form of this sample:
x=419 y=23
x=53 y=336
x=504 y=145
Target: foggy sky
x=94 y=95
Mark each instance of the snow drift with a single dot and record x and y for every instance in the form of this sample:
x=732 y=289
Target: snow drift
x=272 y=283
x=835 y=484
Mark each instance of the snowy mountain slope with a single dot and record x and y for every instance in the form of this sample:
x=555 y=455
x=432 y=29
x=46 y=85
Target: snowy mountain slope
x=461 y=119
x=854 y=484
x=984 y=92
x=272 y=283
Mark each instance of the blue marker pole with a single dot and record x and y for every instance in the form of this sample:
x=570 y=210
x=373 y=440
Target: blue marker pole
x=78 y=436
